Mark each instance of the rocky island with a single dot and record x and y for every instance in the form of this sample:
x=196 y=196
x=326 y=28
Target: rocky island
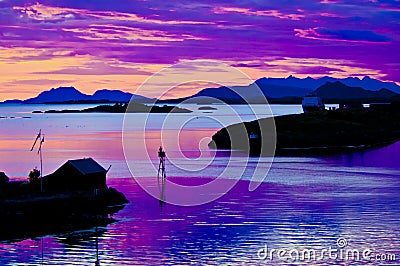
x=124 y=108
x=318 y=132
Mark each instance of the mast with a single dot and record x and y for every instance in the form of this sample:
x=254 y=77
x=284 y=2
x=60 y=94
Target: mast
x=40 y=137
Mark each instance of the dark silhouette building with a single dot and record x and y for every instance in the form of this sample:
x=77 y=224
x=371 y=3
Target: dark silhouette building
x=81 y=174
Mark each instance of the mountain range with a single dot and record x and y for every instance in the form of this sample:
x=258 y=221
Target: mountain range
x=292 y=87
x=311 y=84
x=289 y=89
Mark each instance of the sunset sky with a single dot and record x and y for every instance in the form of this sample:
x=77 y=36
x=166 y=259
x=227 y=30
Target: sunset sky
x=95 y=44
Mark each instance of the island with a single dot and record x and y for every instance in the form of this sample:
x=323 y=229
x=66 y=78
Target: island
x=320 y=132
x=207 y=108
x=123 y=108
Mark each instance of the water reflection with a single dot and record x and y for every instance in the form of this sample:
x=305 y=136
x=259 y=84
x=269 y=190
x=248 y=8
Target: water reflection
x=384 y=157
x=229 y=230
x=305 y=202
x=161 y=188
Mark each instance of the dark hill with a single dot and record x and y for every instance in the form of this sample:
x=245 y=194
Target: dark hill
x=72 y=95
x=315 y=132
x=337 y=91
x=61 y=94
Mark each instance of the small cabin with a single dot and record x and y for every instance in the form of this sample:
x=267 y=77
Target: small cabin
x=81 y=174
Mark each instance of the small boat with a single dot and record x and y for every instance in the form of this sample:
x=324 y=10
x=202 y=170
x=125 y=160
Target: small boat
x=312 y=103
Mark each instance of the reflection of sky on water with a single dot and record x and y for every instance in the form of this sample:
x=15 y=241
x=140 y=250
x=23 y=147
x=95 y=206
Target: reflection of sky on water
x=304 y=202
x=231 y=229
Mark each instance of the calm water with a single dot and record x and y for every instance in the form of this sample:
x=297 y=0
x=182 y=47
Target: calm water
x=304 y=202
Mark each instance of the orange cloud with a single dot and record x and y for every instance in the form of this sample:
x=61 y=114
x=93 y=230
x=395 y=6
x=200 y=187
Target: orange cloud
x=19 y=77
x=265 y=13
x=113 y=32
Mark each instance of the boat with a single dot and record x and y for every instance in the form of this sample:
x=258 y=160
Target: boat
x=312 y=102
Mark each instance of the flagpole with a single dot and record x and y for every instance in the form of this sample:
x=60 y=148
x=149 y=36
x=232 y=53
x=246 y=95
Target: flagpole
x=40 y=137
x=41 y=168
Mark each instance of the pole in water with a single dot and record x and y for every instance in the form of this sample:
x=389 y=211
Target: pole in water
x=97 y=263
x=161 y=165
x=42 y=251
x=41 y=165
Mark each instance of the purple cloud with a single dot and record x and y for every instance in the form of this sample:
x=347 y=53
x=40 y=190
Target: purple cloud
x=98 y=68
x=245 y=33
x=362 y=36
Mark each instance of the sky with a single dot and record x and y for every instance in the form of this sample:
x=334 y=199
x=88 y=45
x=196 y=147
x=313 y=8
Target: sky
x=97 y=44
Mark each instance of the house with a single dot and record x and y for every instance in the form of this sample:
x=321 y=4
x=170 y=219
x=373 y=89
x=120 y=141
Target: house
x=81 y=174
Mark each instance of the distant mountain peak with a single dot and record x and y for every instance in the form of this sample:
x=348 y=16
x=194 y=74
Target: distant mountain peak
x=338 y=91
x=69 y=93
x=60 y=94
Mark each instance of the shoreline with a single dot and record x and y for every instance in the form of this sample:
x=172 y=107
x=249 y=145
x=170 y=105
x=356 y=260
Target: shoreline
x=314 y=133
x=30 y=213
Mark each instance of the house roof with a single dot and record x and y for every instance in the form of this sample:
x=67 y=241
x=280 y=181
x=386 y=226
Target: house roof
x=87 y=166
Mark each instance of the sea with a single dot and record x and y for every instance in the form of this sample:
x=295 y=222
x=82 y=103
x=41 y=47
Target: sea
x=340 y=209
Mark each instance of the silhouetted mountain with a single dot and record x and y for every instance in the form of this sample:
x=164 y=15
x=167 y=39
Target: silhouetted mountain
x=232 y=94
x=278 y=88
x=71 y=95
x=312 y=84
x=371 y=84
x=339 y=91
x=116 y=96
x=307 y=84
x=291 y=89
x=61 y=94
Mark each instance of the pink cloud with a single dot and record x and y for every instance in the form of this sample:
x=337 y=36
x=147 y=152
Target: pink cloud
x=261 y=13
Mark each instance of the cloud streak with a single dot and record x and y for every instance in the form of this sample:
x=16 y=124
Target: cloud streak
x=356 y=36
x=75 y=40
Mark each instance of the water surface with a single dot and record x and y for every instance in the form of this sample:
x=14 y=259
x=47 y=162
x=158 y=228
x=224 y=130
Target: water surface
x=304 y=202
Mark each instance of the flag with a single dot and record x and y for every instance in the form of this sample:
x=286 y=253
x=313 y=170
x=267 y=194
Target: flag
x=37 y=137
x=40 y=147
